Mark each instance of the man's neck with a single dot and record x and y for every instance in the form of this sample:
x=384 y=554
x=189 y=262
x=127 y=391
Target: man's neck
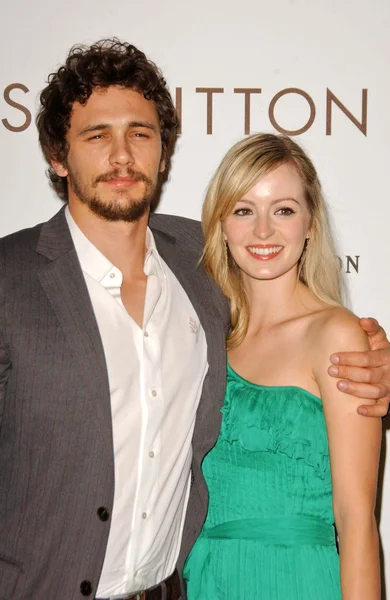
x=121 y=242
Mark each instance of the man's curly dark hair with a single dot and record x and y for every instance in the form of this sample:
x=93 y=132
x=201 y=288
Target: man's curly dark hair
x=107 y=62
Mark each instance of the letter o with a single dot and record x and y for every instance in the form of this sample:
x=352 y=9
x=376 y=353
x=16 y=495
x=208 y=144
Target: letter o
x=284 y=93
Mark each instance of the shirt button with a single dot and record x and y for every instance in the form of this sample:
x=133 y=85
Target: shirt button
x=154 y=393
x=103 y=513
x=112 y=275
x=144 y=515
x=86 y=588
x=146 y=334
x=151 y=454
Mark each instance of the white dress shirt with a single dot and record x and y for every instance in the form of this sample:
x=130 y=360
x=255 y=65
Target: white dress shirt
x=156 y=375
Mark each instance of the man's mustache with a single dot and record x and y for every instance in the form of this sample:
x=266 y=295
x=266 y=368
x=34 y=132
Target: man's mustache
x=136 y=175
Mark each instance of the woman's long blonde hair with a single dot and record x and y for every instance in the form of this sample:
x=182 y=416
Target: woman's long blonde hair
x=241 y=168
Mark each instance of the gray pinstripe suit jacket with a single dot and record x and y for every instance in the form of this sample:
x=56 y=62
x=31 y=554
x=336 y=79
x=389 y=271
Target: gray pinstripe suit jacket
x=56 y=457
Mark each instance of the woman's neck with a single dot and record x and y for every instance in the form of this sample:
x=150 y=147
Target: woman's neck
x=277 y=300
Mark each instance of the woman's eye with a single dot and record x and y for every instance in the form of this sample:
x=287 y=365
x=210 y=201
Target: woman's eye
x=242 y=212
x=285 y=211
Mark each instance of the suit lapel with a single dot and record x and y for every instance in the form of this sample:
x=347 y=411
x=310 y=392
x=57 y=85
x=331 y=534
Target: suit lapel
x=64 y=284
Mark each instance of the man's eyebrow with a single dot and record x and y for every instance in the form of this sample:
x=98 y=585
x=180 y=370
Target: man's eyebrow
x=105 y=126
x=146 y=124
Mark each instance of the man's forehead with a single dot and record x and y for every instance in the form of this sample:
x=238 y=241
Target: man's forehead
x=115 y=101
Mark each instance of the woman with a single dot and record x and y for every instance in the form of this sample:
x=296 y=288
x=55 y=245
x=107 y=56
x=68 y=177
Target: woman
x=292 y=458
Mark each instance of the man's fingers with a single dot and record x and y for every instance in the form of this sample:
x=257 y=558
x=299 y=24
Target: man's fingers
x=363 y=390
x=375 y=358
x=374 y=410
x=357 y=374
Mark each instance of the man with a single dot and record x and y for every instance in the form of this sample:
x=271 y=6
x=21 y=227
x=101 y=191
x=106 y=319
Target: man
x=112 y=341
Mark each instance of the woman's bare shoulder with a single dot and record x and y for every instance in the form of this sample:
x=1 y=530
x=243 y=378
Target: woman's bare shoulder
x=335 y=329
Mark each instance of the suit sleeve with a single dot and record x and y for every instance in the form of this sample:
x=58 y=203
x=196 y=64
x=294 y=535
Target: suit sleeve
x=5 y=368
x=5 y=359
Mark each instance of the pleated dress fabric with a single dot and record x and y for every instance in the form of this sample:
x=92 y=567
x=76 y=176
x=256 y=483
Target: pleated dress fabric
x=269 y=532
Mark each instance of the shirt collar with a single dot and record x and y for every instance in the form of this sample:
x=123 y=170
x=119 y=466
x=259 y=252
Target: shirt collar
x=153 y=264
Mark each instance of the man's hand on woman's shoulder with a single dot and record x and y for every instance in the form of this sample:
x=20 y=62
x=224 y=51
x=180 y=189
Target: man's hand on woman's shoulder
x=366 y=374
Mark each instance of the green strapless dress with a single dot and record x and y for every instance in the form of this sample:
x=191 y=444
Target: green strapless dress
x=269 y=531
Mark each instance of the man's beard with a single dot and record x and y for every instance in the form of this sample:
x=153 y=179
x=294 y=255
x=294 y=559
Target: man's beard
x=114 y=210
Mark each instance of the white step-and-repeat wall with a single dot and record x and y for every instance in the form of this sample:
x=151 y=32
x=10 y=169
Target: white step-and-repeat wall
x=318 y=70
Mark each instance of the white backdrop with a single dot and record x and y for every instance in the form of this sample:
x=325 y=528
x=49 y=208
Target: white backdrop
x=334 y=52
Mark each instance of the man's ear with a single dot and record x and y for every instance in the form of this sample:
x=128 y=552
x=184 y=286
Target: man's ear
x=59 y=168
x=163 y=161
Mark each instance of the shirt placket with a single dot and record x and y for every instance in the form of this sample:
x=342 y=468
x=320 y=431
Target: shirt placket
x=152 y=393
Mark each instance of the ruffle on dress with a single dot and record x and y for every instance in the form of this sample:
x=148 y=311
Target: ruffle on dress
x=274 y=419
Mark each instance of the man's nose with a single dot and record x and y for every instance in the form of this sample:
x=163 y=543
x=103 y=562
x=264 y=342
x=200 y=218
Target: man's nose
x=121 y=152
